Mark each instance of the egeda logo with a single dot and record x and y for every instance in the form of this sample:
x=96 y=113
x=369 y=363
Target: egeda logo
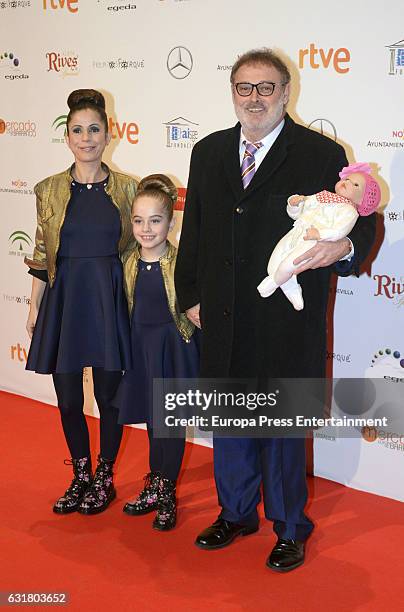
x=377 y=397
x=387 y=363
x=10 y=59
x=10 y=66
x=118 y=7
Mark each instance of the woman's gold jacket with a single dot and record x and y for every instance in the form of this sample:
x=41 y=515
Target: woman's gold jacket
x=167 y=265
x=52 y=197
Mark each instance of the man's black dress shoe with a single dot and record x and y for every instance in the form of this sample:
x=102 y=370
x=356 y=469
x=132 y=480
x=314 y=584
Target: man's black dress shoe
x=222 y=533
x=286 y=555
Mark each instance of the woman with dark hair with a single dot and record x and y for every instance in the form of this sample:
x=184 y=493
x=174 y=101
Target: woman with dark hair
x=78 y=314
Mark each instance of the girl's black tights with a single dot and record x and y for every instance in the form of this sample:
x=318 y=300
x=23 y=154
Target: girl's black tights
x=165 y=455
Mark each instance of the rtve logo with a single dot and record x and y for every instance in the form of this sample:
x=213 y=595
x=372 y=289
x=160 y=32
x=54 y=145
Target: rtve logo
x=18 y=353
x=321 y=58
x=130 y=131
x=70 y=5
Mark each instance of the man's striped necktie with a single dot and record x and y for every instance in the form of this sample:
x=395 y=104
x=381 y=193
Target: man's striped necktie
x=248 y=163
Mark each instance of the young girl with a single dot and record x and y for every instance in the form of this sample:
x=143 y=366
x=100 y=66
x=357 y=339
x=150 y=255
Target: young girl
x=162 y=340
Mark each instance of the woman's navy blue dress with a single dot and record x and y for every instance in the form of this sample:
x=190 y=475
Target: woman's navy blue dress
x=158 y=349
x=83 y=319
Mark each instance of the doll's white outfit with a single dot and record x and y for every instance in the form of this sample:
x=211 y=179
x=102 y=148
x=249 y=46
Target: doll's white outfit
x=332 y=215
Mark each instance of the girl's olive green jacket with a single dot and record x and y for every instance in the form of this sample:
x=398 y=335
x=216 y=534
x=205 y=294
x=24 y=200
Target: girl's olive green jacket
x=167 y=265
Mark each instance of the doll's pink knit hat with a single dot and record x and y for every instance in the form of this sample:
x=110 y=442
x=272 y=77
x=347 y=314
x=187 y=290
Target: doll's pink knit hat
x=372 y=195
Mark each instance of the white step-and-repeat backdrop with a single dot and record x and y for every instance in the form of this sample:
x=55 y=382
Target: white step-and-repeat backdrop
x=164 y=68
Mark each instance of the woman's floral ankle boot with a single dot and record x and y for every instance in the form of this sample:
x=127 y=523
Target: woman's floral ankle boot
x=82 y=479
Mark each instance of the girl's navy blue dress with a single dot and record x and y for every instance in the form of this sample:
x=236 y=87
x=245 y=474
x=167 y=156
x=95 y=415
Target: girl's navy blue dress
x=83 y=319
x=158 y=349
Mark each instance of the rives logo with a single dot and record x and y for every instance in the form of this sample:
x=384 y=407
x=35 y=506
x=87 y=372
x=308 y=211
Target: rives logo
x=63 y=63
x=390 y=287
x=338 y=58
x=70 y=5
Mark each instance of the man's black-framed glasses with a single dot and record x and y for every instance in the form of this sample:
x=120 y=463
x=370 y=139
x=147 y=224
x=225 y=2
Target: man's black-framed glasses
x=264 y=88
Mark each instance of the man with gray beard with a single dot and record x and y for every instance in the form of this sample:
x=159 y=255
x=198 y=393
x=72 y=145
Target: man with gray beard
x=235 y=213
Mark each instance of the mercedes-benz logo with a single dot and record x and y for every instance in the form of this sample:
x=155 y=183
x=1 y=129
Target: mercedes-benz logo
x=324 y=127
x=179 y=62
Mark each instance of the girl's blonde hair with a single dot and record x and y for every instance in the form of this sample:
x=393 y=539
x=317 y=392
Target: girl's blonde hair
x=162 y=188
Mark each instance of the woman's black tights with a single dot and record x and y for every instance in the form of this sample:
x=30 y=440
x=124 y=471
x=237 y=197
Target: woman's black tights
x=69 y=391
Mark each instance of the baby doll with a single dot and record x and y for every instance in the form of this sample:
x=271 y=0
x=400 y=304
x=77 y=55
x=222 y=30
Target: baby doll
x=322 y=216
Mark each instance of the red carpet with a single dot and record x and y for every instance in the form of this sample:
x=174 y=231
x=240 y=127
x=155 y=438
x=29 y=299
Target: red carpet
x=355 y=559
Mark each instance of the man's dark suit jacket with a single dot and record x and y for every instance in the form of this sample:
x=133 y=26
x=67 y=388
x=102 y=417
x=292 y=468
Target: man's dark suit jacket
x=227 y=237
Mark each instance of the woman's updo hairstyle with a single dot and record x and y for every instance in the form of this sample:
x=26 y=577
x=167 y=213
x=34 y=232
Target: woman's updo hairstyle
x=82 y=99
x=162 y=188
